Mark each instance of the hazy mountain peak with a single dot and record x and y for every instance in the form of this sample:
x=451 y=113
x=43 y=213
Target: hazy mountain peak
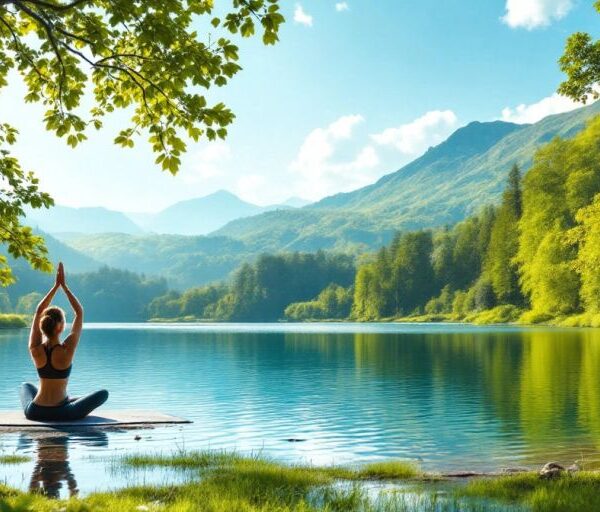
x=89 y=219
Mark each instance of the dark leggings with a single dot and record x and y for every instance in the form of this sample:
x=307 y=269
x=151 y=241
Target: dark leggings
x=70 y=409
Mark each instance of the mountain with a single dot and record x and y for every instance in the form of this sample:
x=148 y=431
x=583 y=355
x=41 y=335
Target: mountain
x=191 y=217
x=447 y=183
x=63 y=219
x=185 y=261
x=201 y=215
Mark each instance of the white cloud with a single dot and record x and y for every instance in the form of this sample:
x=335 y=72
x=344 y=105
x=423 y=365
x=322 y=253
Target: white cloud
x=319 y=174
x=532 y=113
x=341 y=6
x=415 y=137
x=531 y=14
x=300 y=16
x=207 y=162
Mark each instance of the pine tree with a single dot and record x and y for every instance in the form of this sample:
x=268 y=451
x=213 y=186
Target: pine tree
x=500 y=265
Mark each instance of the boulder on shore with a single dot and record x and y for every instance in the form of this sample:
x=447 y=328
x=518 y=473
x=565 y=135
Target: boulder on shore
x=551 y=470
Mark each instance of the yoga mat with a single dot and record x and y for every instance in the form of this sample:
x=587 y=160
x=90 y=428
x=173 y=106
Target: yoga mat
x=124 y=418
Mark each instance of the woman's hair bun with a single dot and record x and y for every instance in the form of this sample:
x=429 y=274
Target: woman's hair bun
x=51 y=317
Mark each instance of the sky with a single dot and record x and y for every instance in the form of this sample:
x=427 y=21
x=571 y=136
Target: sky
x=354 y=90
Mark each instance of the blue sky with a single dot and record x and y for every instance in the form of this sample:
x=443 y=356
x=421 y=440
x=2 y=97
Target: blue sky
x=353 y=91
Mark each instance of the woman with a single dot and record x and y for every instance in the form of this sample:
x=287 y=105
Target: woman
x=53 y=361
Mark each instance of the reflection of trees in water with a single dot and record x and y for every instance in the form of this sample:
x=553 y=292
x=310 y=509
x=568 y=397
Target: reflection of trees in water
x=589 y=385
x=52 y=470
x=543 y=382
x=549 y=379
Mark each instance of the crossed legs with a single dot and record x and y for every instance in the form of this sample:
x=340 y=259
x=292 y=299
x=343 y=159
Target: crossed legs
x=71 y=409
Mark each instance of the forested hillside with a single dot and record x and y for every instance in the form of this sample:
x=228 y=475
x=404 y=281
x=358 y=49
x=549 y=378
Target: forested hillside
x=534 y=257
x=185 y=261
x=448 y=183
x=259 y=291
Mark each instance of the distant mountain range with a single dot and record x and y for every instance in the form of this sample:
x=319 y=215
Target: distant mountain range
x=447 y=183
x=196 y=216
x=443 y=186
x=203 y=215
x=60 y=219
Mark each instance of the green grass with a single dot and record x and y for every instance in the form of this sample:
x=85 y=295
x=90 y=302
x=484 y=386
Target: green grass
x=569 y=493
x=505 y=314
x=13 y=321
x=427 y=318
x=582 y=320
x=13 y=459
x=390 y=470
x=230 y=482
x=183 y=459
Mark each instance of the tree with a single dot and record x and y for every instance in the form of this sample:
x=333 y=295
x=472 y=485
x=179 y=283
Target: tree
x=544 y=204
x=441 y=304
x=554 y=282
x=17 y=189
x=144 y=56
x=368 y=297
x=581 y=63
x=500 y=266
x=415 y=278
x=587 y=235
x=333 y=302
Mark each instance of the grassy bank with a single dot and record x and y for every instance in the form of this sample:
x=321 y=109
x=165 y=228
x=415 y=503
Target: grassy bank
x=579 y=492
x=231 y=482
x=505 y=315
x=499 y=315
x=13 y=321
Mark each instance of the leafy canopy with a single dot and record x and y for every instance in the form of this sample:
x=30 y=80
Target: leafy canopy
x=581 y=63
x=149 y=57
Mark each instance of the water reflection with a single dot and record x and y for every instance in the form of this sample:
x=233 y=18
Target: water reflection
x=52 y=470
x=539 y=387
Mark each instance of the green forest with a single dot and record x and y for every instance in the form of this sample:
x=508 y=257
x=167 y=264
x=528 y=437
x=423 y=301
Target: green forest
x=534 y=257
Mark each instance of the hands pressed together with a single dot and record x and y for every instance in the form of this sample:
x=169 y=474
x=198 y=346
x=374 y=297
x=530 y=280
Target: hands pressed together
x=60 y=276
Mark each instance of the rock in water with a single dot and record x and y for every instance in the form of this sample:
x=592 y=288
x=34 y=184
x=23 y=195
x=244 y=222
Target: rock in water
x=551 y=470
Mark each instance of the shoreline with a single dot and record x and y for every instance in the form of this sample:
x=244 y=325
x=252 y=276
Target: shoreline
x=590 y=321
x=573 y=321
x=229 y=481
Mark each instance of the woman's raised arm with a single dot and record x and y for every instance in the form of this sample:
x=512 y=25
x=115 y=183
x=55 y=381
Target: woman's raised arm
x=35 y=335
x=72 y=339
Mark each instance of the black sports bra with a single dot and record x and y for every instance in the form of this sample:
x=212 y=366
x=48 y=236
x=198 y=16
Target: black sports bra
x=48 y=371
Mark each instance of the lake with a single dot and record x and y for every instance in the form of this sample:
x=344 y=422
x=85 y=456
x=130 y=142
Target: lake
x=452 y=397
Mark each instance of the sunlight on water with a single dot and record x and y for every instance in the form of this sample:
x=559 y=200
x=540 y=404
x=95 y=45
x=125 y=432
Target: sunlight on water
x=450 y=397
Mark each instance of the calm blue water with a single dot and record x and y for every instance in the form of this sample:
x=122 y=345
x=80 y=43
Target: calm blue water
x=449 y=396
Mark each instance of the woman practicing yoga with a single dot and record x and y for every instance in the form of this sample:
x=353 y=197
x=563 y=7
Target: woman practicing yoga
x=53 y=360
